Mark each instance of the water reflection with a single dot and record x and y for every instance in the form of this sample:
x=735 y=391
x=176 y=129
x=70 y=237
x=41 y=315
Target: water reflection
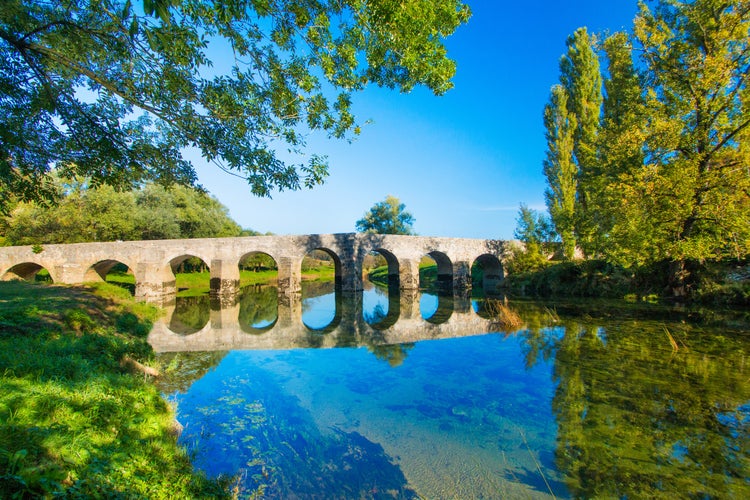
x=259 y=307
x=325 y=317
x=572 y=404
x=190 y=314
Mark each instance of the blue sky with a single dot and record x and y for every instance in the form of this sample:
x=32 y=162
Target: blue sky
x=463 y=162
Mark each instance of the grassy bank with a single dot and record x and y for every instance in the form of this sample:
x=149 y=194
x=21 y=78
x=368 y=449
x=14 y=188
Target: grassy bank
x=427 y=275
x=79 y=416
x=198 y=283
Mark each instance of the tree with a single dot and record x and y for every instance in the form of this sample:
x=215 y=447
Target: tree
x=103 y=90
x=671 y=181
x=536 y=232
x=695 y=178
x=581 y=77
x=387 y=217
x=87 y=213
x=560 y=168
x=619 y=223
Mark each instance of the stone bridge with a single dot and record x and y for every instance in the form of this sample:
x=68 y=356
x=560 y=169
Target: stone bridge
x=153 y=262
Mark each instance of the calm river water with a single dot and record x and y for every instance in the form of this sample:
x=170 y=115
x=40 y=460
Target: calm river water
x=378 y=395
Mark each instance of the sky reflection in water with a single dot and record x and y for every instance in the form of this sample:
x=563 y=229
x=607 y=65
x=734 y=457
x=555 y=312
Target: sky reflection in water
x=563 y=407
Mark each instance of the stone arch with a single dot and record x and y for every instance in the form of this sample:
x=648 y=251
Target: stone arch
x=100 y=270
x=189 y=315
x=374 y=314
x=176 y=262
x=257 y=260
x=392 y=263
x=27 y=271
x=180 y=263
x=444 y=278
x=492 y=272
x=325 y=295
x=382 y=320
x=338 y=270
x=335 y=317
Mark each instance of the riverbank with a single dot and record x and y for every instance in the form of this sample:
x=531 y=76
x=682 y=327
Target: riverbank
x=199 y=283
x=79 y=413
x=712 y=284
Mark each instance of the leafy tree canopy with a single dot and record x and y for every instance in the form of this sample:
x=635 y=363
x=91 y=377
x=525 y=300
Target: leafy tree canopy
x=387 y=217
x=106 y=90
x=103 y=214
x=666 y=173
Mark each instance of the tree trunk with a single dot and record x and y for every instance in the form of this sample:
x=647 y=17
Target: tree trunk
x=678 y=278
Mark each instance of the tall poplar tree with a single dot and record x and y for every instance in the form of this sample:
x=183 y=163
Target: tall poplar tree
x=560 y=168
x=696 y=174
x=581 y=77
x=616 y=193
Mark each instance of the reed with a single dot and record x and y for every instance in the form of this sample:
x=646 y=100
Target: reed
x=507 y=317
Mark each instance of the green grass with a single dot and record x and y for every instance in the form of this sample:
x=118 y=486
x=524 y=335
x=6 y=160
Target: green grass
x=427 y=274
x=75 y=420
x=258 y=277
x=323 y=272
x=195 y=284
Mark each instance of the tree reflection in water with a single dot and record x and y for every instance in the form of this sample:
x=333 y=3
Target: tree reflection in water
x=190 y=314
x=259 y=307
x=638 y=418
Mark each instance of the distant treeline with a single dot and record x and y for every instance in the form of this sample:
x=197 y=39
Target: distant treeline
x=85 y=213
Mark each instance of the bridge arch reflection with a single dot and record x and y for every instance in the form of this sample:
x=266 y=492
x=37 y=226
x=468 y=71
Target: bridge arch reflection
x=258 y=309
x=227 y=325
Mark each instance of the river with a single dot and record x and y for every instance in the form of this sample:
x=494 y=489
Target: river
x=422 y=395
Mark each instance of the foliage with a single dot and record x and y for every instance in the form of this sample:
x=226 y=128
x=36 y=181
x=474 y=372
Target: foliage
x=102 y=89
x=387 y=217
x=721 y=283
x=641 y=417
x=258 y=261
x=560 y=169
x=669 y=181
x=535 y=230
x=624 y=124
x=695 y=173
x=581 y=78
x=73 y=421
x=589 y=278
x=87 y=213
